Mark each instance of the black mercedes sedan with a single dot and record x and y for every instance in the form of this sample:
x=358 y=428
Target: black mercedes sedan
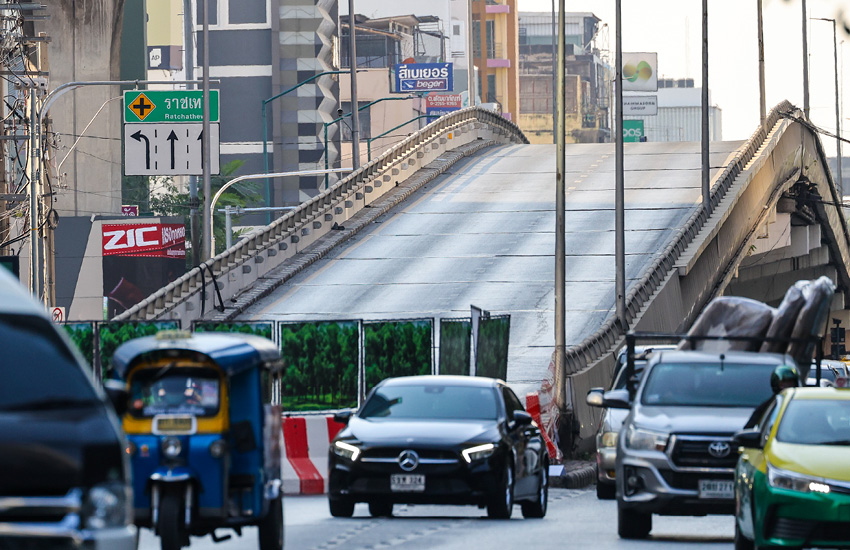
x=439 y=440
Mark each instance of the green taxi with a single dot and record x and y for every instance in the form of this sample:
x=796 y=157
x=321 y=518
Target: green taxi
x=792 y=482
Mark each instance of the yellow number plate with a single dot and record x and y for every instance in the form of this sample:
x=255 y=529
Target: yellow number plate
x=174 y=425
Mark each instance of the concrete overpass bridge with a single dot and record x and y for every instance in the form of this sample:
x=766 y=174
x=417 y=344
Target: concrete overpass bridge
x=463 y=213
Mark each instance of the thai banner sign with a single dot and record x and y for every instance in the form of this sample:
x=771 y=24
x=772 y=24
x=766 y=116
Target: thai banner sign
x=424 y=77
x=442 y=104
x=155 y=240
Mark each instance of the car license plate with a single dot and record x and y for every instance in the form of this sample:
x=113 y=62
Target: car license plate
x=174 y=425
x=407 y=483
x=714 y=488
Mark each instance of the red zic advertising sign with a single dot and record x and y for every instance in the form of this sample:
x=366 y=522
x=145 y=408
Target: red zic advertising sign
x=155 y=240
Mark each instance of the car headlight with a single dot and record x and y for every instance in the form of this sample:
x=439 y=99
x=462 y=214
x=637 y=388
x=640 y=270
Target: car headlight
x=346 y=450
x=791 y=481
x=646 y=440
x=171 y=447
x=609 y=439
x=107 y=505
x=478 y=452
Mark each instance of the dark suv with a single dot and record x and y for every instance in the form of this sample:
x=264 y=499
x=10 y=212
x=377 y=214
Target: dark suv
x=674 y=453
x=63 y=470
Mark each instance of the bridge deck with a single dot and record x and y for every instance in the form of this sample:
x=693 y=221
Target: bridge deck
x=483 y=234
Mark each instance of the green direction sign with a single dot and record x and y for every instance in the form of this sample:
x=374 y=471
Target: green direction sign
x=168 y=106
x=632 y=130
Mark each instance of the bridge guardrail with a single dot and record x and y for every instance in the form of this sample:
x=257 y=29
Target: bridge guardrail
x=316 y=212
x=597 y=344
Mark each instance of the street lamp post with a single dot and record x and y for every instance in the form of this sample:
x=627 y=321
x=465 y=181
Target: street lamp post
x=619 y=186
x=560 y=221
x=706 y=176
x=334 y=121
x=840 y=182
x=805 y=62
x=762 y=106
x=352 y=67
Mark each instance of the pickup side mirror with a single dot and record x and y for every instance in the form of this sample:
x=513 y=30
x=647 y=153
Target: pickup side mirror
x=342 y=417
x=750 y=439
x=595 y=397
x=522 y=418
x=617 y=399
x=116 y=391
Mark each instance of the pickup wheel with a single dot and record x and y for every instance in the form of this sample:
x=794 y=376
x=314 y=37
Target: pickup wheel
x=341 y=508
x=606 y=491
x=632 y=524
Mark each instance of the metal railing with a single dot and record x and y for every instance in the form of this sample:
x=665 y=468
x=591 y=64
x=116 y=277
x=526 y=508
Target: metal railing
x=312 y=210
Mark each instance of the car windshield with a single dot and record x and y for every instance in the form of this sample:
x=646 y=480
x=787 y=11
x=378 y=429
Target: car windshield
x=815 y=422
x=174 y=390
x=826 y=373
x=37 y=369
x=431 y=401
x=708 y=385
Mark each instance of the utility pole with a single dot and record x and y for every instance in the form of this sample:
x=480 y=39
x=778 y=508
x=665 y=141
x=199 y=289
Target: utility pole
x=189 y=69
x=619 y=186
x=352 y=67
x=560 y=221
x=805 y=61
x=706 y=175
x=554 y=71
x=50 y=217
x=838 y=176
x=762 y=107
x=470 y=61
x=208 y=252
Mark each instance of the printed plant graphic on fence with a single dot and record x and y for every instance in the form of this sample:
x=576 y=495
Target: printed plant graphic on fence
x=82 y=334
x=396 y=348
x=320 y=365
x=112 y=335
x=266 y=330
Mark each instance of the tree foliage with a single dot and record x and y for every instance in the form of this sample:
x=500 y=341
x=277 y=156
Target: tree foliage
x=455 y=340
x=167 y=200
x=396 y=348
x=320 y=365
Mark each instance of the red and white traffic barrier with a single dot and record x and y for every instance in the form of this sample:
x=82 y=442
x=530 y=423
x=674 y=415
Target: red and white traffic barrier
x=539 y=412
x=305 y=453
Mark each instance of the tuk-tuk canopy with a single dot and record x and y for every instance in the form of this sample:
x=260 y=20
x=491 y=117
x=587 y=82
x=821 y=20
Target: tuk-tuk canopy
x=232 y=352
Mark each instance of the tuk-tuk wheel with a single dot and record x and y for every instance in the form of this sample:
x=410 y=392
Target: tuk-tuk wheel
x=271 y=527
x=172 y=532
x=341 y=508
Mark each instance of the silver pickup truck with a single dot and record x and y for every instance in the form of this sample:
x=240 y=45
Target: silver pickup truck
x=674 y=451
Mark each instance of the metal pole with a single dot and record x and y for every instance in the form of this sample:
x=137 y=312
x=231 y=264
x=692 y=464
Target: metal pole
x=554 y=72
x=805 y=62
x=762 y=107
x=837 y=114
x=706 y=199
x=33 y=183
x=228 y=226
x=619 y=187
x=470 y=61
x=352 y=67
x=189 y=69
x=207 y=252
x=560 y=221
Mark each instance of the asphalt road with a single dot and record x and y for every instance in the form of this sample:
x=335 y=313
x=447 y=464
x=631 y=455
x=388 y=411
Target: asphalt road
x=483 y=234
x=576 y=519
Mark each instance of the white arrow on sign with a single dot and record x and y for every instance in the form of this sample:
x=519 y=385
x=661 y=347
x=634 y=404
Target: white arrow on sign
x=168 y=149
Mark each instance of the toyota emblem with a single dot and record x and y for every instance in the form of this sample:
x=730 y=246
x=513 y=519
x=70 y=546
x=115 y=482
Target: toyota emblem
x=719 y=449
x=408 y=460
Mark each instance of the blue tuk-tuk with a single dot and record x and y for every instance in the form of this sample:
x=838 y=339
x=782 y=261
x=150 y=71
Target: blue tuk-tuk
x=204 y=427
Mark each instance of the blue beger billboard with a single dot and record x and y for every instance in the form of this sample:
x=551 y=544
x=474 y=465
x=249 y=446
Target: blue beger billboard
x=424 y=77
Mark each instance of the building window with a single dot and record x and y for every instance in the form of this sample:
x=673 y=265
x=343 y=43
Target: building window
x=456 y=30
x=492 y=52
x=476 y=39
x=491 y=88
x=365 y=121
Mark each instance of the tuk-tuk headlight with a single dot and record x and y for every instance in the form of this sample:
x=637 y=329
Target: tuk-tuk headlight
x=171 y=447
x=107 y=505
x=218 y=448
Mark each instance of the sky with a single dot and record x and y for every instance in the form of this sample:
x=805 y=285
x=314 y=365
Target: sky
x=673 y=29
